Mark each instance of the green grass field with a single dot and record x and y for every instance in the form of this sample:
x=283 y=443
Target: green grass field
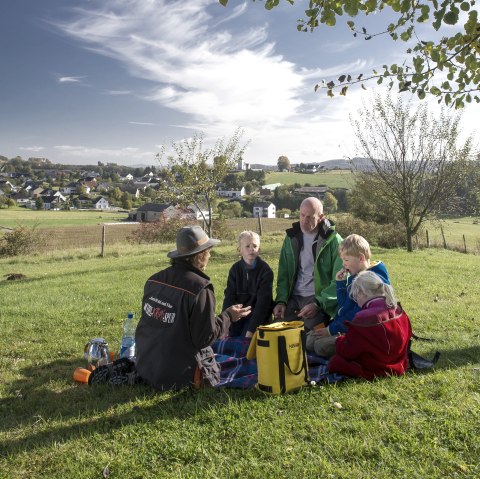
x=458 y=232
x=14 y=217
x=332 y=178
x=416 y=426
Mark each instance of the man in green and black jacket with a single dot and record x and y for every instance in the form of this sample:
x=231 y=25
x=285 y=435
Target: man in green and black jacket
x=309 y=261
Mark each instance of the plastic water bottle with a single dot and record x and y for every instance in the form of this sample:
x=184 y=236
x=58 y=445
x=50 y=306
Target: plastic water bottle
x=127 y=346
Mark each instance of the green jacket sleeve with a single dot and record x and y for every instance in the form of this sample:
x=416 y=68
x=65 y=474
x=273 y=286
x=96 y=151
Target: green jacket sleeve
x=285 y=275
x=328 y=265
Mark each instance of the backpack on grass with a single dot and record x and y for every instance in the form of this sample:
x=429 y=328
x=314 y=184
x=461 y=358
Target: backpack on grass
x=417 y=362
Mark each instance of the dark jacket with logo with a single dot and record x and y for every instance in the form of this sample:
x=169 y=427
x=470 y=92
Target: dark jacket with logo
x=177 y=326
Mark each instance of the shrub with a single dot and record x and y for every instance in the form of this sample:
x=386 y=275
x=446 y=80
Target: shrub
x=282 y=212
x=390 y=235
x=21 y=240
x=220 y=230
x=6 y=202
x=162 y=231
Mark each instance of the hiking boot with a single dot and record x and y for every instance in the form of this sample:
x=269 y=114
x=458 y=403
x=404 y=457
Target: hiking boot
x=121 y=371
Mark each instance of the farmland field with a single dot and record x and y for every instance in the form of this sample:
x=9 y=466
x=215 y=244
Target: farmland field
x=455 y=229
x=331 y=178
x=13 y=217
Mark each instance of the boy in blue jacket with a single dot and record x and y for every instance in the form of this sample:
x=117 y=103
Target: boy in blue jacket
x=355 y=253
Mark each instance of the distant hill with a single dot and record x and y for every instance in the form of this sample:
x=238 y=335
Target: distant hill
x=342 y=164
x=258 y=166
x=338 y=164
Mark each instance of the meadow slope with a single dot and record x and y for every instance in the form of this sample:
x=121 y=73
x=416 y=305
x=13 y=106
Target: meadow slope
x=417 y=426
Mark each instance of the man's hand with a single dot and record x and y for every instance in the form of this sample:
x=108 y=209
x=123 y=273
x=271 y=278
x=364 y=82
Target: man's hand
x=248 y=334
x=308 y=311
x=279 y=312
x=237 y=311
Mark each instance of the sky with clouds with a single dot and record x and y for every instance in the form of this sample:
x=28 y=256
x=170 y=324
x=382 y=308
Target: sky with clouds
x=115 y=80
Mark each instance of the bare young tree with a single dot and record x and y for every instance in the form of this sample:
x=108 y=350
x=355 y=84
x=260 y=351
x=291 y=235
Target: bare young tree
x=417 y=162
x=193 y=172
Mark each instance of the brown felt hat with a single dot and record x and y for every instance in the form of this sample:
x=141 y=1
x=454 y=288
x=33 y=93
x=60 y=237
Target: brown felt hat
x=191 y=240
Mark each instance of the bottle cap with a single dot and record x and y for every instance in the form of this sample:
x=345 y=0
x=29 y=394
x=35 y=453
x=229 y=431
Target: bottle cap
x=130 y=315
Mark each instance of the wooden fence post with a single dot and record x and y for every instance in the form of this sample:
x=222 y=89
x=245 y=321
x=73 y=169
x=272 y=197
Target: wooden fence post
x=428 y=239
x=259 y=225
x=464 y=244
x=443 y=236
x=103 y=240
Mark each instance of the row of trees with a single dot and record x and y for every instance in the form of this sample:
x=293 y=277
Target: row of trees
x=35 y=169
x=419 y=168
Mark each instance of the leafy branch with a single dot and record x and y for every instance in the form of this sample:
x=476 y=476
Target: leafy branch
x=457 y=56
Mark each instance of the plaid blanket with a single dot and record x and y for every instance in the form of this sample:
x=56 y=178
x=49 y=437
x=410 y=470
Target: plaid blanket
x=239 y=372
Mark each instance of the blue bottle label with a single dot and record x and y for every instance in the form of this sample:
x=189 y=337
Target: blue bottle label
x=127 y=349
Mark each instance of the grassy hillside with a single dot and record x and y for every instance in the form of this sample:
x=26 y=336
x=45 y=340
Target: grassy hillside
x=332 y=178
x=416 y=426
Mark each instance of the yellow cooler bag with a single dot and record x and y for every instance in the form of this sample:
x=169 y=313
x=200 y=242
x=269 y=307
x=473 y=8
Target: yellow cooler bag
x=281 y=358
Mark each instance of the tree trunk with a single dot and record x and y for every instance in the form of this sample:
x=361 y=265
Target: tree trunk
x=409 y=240
x=210 y=221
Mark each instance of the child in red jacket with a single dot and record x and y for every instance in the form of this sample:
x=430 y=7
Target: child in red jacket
x=376 y=342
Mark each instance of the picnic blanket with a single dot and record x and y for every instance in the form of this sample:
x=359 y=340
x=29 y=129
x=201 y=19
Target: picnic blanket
x=239 y=372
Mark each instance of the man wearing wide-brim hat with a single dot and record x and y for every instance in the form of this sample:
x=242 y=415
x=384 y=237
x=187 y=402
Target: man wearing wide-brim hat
x=178 y=322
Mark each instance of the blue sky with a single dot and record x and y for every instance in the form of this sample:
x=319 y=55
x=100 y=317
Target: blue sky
x=113 y=81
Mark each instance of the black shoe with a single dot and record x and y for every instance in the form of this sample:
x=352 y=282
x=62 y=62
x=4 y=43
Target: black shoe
x=121 y=371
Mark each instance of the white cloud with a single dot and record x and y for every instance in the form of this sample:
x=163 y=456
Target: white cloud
x=236 y=12
x=220 y=80
x=70 y=79
x=31 y=148
x=126 y=155
x=142 y=123
x=118 y=92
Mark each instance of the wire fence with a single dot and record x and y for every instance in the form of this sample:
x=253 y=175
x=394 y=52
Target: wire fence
x=108 y=234
x=438 y=238
x=88 y=236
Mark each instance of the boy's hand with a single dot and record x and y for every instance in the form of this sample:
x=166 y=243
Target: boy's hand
x=341 y=274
